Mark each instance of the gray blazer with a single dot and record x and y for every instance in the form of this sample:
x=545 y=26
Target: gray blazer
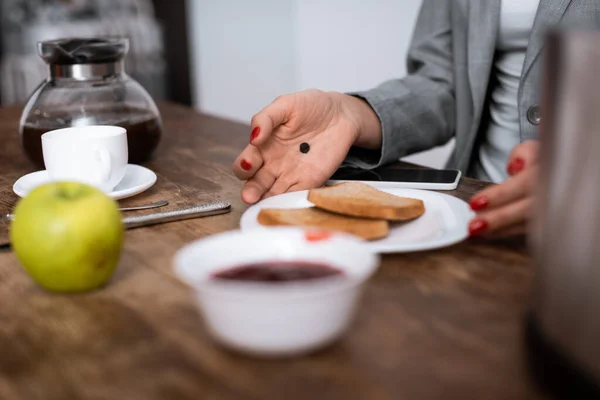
x=449 y=64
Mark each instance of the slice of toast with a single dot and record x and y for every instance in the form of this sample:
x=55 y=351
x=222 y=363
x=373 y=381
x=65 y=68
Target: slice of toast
x=361 y=200
x=368 y=229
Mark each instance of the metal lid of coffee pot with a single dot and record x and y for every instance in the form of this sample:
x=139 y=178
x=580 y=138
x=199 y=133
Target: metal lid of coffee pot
x=84 y=58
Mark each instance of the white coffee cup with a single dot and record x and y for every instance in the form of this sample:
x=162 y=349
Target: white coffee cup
x=96 y=155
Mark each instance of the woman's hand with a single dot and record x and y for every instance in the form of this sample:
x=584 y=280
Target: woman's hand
x=329 y=123
x=505 y=209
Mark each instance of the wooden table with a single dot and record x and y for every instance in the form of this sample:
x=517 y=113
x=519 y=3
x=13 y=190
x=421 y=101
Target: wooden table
x=440 y=324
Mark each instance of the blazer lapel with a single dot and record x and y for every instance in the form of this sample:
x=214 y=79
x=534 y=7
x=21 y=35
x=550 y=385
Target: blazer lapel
x=484 y=20
x=549 y=13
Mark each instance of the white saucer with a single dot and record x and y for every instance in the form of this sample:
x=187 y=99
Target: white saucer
x=444 y=223
x=136 y=180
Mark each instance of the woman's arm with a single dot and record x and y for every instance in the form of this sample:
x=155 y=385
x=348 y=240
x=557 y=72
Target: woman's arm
x=416 y=112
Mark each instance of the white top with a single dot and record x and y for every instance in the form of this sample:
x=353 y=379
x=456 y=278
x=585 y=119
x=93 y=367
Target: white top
x=516 y=22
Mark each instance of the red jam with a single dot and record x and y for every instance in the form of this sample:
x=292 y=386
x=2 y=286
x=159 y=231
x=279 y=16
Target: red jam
x=277 y=272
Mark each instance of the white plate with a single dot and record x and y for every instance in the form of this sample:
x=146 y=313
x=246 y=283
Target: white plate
x=444 y=223
x=136 y=180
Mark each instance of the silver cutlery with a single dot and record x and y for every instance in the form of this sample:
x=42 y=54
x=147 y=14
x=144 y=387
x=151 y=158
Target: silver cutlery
x=203 y=210
x=156 y=204
x=138 y=221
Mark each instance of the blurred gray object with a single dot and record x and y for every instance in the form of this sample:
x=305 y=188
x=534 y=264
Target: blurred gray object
x=566 y=226
x=23 y=23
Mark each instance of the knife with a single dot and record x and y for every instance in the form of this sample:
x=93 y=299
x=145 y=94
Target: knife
x=138 y=221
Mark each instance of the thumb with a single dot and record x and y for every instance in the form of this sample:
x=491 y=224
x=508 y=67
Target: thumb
x=270 y=118
x=523 y=156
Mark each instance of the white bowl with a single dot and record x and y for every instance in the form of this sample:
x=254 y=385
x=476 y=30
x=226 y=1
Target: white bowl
x=276 y=319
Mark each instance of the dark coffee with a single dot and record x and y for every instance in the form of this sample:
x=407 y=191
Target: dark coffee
x=277 y=272
x=143 y=132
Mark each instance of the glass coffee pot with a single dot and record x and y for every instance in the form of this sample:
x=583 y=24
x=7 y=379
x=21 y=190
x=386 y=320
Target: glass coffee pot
x=87 y=85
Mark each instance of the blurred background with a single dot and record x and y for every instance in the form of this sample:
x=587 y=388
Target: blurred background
x=228 y=58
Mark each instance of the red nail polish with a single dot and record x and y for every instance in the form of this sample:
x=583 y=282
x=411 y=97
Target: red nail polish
x=246 y=166
x=254 y=133
x=478 y=203
x=516 y=166
x=477 y=226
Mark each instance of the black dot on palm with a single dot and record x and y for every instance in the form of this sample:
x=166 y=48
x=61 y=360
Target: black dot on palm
x=304 y=148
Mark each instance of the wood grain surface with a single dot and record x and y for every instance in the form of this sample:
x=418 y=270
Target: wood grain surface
x=439 y=324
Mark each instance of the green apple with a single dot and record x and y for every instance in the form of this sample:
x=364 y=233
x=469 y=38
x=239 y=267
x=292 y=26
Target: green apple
x=68 y=236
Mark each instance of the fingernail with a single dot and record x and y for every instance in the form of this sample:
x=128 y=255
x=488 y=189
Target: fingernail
x=478 y=203
x=246 y=165
x=254 y=133
x=477 y=226
x=516 y=166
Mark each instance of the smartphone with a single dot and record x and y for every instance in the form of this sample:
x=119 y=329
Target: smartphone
x=395 y=177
